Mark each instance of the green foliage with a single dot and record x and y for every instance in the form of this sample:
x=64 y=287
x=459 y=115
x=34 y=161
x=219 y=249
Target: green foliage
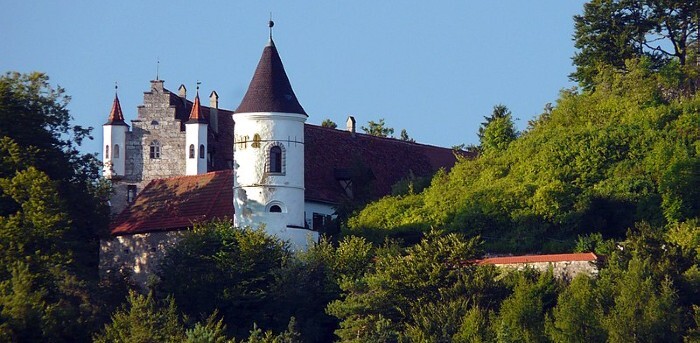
x=329 y=124
x=402 y=288
x=378 y=129
x=577 y=315
x=211 y=331
x=610 y=32
x=216 y=266
x=521 y=318
x=597 y=162
x=405 y=137
x=143 y=319
x=50 y=211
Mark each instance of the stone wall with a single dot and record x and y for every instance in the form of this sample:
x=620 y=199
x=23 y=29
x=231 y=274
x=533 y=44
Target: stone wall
x=137 y=255
x=565 y=270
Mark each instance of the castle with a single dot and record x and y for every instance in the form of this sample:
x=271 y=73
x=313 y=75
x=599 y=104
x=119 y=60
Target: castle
x=181 y=162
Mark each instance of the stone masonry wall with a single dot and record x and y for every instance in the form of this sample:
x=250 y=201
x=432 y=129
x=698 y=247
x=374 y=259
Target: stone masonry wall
x=137 y=255
x=565 y=270
x=156 y=122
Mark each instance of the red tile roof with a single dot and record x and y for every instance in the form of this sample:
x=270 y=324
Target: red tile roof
x=176 y=203
x=539 y=258
x=196 y=113
x=115 y=116
x=270 y=90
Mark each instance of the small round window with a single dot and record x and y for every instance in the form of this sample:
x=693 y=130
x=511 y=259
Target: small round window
x=275 y=208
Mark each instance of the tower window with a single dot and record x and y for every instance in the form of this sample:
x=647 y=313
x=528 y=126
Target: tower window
x=201 y=151
x=275 y=159
x=275 y=208
x=191 y=150
x=106 y=151
x=115 y=153
x=155 y=150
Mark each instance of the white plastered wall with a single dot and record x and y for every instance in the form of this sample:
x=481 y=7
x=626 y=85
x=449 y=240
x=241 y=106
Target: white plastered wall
x=256 y=189
x=195 y=134
x=114 y=135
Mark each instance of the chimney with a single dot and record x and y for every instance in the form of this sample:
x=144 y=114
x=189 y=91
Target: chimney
x=182 y=91
x=351 y=125
x=214 y=100
x=214 y=111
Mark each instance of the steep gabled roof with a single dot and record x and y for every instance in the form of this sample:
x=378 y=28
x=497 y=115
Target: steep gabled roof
x=539 y=258
x=270 y=90
x=176 y=203
x=115 y=116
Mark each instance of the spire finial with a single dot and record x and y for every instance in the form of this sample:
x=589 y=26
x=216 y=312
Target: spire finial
x=157 y=68
x=198 y=83
x=270 y=24
x=116 y=87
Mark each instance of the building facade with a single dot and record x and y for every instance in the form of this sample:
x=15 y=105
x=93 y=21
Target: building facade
x=180 y=162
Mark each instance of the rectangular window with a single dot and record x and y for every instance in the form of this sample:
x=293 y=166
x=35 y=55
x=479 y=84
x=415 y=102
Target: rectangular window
x=130 y=193
x=317 y=222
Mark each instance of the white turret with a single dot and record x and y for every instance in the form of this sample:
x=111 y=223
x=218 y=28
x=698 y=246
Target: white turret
x=269 y=155
x=196 y=140
x=114 y=147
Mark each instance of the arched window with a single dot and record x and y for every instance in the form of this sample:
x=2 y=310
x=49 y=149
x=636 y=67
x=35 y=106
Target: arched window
x=275 y=159
x=191 y=150
x=115 y=153
x=275 y=208
x=106 y=151
x=155 y=150
x=201 y=151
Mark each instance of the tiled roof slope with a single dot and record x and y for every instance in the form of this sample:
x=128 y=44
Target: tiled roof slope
x=177 y=202
x=270 y=90
x=540 y=258
x=330 y=151
x=116 y=117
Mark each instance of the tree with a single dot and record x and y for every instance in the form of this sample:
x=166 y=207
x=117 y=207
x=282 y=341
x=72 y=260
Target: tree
x=379 y=305
x=576 y=318
x=405 y=137
x=50 y=210
x=218 y=267
x=496 y=133
x=378 y=129
x=329 y=124
x=143 y=320
x=609 y=32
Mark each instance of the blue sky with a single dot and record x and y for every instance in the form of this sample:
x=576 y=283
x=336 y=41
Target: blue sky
x=433 y=68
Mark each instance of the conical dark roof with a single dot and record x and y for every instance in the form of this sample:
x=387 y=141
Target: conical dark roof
x=115 y=116
x=270 y=90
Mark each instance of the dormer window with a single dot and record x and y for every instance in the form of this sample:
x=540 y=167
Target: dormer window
x=154 y=148
x=191 y=151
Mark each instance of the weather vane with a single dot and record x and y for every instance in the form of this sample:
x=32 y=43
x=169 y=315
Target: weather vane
x=198 y=83
x=270 y=24
x=157 y=68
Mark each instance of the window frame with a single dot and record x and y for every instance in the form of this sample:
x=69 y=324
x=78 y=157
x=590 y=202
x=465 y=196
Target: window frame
x=154 y=150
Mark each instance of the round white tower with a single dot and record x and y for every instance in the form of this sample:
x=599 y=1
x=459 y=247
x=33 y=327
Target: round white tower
x=269 y=154
x=196 y=140
x=114 y=147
